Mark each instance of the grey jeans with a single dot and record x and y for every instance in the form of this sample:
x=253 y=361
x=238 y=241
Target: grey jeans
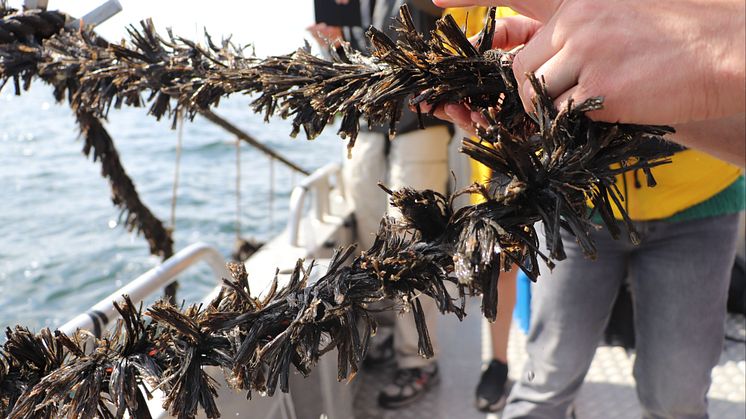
x=679 y=277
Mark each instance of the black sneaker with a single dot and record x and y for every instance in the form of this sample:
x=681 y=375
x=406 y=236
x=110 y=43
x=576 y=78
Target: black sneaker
x=409 y=385
x=380 y=353
x=491 y=394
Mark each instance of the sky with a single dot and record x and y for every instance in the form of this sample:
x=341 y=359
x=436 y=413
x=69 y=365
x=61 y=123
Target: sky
x=273 y=27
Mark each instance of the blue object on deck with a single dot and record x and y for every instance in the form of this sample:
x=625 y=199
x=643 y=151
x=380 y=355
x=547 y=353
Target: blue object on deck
x=522 y=311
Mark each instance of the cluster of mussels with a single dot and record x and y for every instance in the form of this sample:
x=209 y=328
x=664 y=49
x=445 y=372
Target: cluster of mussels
x=547 y=167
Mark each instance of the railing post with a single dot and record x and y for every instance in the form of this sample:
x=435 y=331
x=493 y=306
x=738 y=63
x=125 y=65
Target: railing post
x=319 y=184
x=321 y=198
x=98 y=15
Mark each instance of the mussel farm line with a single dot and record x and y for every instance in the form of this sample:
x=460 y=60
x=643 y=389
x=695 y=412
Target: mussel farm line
x=546 y=167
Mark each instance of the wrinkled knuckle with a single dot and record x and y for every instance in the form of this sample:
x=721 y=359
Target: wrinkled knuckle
x=581 y=47
x=591 y=85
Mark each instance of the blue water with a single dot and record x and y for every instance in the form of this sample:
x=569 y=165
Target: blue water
x=62 y=248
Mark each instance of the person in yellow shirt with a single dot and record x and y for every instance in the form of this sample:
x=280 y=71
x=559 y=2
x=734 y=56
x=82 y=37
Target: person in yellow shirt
x=678 y=276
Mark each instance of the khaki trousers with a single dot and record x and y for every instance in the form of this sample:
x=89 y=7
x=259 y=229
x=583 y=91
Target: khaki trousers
x=417 y=159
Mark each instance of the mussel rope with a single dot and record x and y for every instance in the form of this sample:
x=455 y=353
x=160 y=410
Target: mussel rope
x=271 y=193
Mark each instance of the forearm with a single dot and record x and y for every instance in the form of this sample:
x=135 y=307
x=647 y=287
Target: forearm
x=725 y=43
x=724 y=138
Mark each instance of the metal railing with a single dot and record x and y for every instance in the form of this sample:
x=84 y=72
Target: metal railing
x=93 y=18
x=319 y=183
x=103 y=312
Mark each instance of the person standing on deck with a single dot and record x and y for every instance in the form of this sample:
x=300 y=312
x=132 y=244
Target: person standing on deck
x=678 y=274
x=416 y=158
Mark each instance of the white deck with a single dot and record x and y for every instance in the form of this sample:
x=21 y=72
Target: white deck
x=608 y=391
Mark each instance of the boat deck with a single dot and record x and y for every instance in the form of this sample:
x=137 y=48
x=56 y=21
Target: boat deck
x=608 y=391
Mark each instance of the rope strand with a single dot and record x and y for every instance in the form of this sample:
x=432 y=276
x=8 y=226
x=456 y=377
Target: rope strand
x=271 y=198
x=238 y=189
x=177 y=169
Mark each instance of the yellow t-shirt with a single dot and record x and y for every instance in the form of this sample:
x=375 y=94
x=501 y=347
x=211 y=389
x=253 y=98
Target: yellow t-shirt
x=691 y=178
x=476 y=16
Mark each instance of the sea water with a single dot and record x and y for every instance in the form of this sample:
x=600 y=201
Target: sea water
x=62 y=246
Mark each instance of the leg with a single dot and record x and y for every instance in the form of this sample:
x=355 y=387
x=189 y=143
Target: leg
x=500 y=329
x=362 y=172
x=418 y=159
x=570 y=308
x=680 y=278
x=491 y=393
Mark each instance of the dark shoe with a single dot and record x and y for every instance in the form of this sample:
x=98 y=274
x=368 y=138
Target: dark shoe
x=409 y=385
x=491 y=394
x=380 y=353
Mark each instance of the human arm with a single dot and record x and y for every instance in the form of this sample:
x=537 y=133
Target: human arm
x=669 y=62
x=664 y=62
x=724 y=138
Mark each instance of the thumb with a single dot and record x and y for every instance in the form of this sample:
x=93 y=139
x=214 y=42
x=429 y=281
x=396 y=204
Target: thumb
x=513 y=31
